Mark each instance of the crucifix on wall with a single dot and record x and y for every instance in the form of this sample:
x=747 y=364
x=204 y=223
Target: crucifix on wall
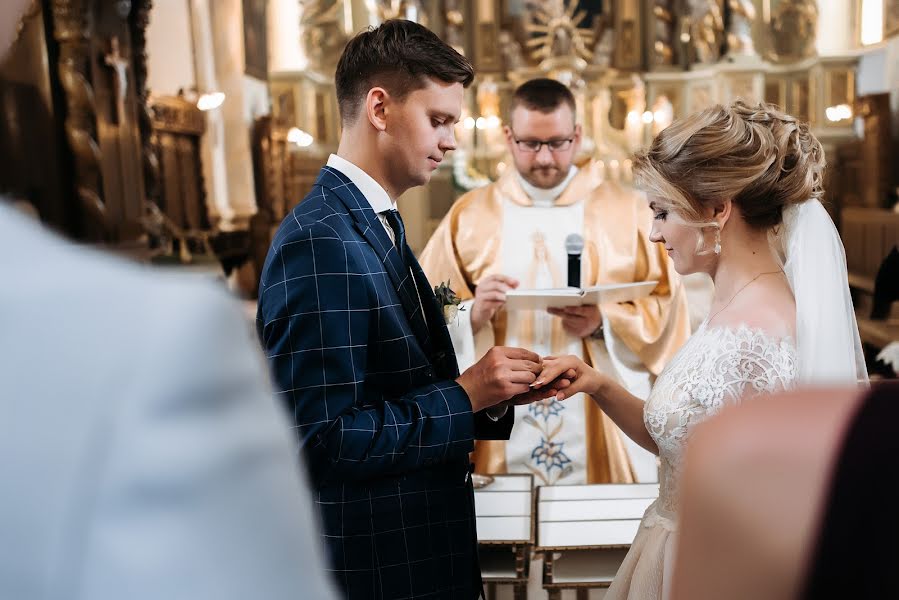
x=119 y=65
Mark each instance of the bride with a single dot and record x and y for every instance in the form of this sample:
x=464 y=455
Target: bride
x=734 y=192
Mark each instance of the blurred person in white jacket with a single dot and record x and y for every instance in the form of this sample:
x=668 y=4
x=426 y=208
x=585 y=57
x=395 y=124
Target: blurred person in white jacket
x=142 y=453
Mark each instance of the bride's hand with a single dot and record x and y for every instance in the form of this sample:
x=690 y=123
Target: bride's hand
x=547 y=390
x=583 y=377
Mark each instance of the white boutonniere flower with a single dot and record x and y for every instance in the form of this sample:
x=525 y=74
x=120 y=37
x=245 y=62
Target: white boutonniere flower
x=449 y=301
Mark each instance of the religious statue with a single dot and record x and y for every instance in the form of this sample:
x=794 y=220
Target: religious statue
x=559 y=40
x=739 y=30
x=119 y=65
x=794 y=30
x=707 y=30
x=322 y=33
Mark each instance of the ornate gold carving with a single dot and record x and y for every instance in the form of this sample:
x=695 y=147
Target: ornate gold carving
x=454 y=24
x=801 y=99
x=707 y=29
x=628 y=47
x=322 y=33
x=739 y=30
x=72 y=29
x=776 y=91
x=794 y=30
x=560 y=41
x=177 y=115
x=32 y=11
x=663 y=33
x=138 y=22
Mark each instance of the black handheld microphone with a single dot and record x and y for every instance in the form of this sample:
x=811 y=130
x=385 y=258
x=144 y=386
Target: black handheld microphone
x=574 y=246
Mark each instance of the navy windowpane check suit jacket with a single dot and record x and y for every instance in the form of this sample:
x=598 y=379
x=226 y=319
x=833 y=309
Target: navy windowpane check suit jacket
x=367 y=373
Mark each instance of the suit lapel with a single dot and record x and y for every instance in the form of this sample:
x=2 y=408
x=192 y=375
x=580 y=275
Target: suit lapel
x=372 y=230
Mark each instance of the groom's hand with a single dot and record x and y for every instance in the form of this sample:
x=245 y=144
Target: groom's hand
x=501 y=374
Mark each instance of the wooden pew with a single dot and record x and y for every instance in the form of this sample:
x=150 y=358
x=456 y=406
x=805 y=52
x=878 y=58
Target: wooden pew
x=868 y=236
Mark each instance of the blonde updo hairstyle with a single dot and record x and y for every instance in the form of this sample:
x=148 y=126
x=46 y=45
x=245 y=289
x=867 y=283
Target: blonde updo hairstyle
x=759 y=157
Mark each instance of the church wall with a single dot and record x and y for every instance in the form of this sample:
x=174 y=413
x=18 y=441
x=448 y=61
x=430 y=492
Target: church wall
x=170 y=62
x=247 y=97
x=200 y=44
x=891 y=76
x=878 y=72
x=285 y=51
x=835 y=27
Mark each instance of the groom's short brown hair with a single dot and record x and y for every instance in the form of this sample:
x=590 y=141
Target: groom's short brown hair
x=399 y=56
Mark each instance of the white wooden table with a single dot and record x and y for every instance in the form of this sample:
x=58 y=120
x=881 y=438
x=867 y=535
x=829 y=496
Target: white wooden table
x=584 y=532
x=505 y=519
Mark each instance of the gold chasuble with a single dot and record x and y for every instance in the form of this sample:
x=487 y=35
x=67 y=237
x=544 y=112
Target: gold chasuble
x=498 y=229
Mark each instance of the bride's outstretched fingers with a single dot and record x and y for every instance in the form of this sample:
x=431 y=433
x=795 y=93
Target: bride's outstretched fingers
x=555 y=366
x=548 y=391
x=583 y=377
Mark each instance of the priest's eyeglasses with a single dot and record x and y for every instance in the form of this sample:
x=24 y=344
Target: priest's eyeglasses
x=536 y=145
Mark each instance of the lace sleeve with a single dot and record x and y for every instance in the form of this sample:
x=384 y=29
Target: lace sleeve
x=748 y=363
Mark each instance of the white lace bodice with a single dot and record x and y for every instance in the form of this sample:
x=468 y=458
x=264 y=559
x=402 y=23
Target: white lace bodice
x=717 y=366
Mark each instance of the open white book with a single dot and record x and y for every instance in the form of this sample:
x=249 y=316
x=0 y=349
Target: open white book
x=570 y=296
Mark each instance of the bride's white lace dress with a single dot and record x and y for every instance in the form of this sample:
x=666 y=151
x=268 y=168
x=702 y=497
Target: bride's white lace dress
x=716 y=367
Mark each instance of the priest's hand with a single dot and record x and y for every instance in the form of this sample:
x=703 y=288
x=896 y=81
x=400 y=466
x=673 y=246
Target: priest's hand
x=579 y=321
x=489 y=297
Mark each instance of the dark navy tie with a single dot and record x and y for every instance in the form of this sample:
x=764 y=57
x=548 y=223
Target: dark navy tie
x=396 y=223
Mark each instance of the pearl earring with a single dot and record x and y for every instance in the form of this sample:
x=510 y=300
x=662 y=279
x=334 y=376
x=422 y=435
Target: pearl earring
x=716 y=249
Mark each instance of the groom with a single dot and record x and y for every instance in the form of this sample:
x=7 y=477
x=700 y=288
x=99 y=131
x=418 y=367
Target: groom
x=358 y=343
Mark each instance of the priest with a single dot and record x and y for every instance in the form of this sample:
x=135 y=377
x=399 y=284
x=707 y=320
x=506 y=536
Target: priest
x=512 y=234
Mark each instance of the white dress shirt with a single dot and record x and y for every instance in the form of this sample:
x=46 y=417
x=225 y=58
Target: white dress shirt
x=375 y=194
